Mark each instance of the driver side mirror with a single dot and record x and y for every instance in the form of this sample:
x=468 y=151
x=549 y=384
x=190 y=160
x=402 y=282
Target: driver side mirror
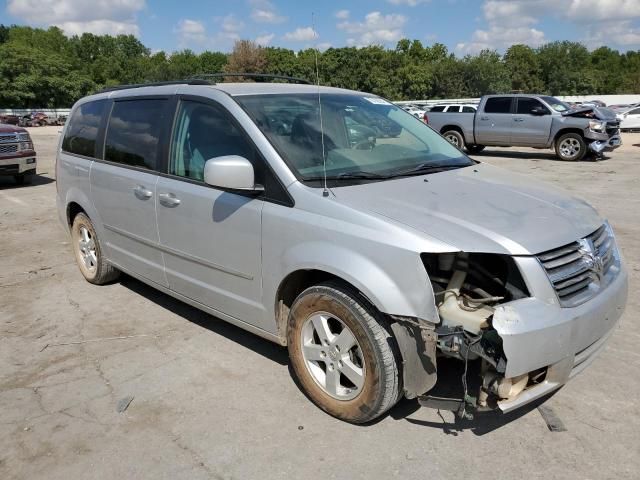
x=231 y=172
x=539 y=111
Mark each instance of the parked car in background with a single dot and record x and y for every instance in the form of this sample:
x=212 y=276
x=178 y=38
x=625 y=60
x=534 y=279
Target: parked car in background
x=537 y=121
x=594 y=103
x=630 y=119
x=17 y=156
x=9 y=119
x=372 y=259
x=415 y=111
x=451 y=108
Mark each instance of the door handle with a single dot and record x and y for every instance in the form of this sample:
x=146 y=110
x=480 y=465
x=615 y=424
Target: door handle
x=484 y=118
x=142 y=192
x=518 y=119
x=169 y=200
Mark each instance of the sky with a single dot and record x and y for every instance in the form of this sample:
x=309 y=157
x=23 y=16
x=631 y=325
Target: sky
x=464 y=26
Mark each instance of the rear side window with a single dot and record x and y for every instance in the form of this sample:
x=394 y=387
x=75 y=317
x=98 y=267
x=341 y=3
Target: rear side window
x=468 y=110
x=82 y=131
x=133 y=132
x=498 y=105
x=438 y=108
x=453 y=109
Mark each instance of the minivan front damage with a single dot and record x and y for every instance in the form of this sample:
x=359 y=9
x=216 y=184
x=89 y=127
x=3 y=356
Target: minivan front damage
x=514 y=340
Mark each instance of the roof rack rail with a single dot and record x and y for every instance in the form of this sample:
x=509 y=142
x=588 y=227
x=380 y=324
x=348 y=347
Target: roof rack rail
x=190 y=81
x=264 y=76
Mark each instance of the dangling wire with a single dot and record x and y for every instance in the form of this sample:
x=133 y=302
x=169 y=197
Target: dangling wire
x=325 y=191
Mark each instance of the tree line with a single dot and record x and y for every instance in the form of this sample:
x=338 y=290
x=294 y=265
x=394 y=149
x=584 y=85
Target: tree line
x=45 y=68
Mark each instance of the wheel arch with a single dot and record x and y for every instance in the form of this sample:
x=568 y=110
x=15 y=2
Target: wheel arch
x=569 y=130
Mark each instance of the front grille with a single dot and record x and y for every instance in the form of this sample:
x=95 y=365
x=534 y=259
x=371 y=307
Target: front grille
x=578 y=271
x=8 y=148
x=613 y=128
x=8 y=137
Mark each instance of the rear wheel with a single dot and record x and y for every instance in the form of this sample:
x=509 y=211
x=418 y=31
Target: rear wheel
x=473 y=149
x=341 y=352
x=89 y=254
x=455 y=138
x=571 y=147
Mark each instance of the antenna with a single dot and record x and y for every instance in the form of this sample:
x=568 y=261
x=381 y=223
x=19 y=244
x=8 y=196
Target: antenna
x=325 y=191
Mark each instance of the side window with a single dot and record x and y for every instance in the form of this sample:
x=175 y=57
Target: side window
x=437 y=108
x=525 y=105
x=498 y=105
x=202 y=132
x=82 y=131
x=133 y=132
x=453 y=109
x=634 y=112
x=468 y=110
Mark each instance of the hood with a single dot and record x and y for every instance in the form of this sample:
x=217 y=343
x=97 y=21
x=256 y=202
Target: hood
x=6 y=128
x=600 y=113
x=479 y=209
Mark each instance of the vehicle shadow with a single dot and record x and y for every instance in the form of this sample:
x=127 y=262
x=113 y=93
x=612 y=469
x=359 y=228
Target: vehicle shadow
x=534 y=156
x=215 y=325
x=9 y=183
x=482 y=424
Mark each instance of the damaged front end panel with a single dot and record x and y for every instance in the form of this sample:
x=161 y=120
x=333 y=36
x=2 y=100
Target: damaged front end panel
x=467 y=288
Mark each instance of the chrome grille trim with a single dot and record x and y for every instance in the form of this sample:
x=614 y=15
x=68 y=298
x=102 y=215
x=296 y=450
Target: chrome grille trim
x=579 y=270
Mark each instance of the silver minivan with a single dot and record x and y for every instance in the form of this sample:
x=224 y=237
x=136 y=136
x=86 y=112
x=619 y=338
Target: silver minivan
x=336 y=224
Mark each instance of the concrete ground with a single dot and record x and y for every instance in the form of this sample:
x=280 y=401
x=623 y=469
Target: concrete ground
x=213 y=401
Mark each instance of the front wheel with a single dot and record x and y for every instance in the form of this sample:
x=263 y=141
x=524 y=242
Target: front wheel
x=342 y=353
x=455 y=138
x=571 y=147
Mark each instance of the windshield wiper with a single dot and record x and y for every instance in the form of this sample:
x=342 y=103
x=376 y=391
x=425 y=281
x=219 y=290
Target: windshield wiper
x=425 y=168
x=360 y=175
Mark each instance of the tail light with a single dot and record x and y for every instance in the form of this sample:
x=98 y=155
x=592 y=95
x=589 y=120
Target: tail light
x=426 y=118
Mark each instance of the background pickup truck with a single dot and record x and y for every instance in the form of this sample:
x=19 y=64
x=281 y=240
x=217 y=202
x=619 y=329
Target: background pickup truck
x=530 y=121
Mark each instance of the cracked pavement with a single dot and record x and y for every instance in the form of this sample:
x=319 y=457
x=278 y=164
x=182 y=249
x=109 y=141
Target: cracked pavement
x=213 y=401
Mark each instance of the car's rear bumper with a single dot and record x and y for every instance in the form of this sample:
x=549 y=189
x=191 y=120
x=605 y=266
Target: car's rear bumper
x=18 y=165
x=537 y=334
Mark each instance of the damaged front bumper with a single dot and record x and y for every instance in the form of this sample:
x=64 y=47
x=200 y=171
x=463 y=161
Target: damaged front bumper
x=538 y=334
x=608 y=145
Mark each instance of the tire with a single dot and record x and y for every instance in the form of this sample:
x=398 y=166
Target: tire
x=571 y=147
x=455 y=138
x=365 y=369
x=89 y=254
x=24 y=178
x=473 y=149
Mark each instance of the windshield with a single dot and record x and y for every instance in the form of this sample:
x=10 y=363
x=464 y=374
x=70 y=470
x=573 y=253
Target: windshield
x=557 y=105
x=363 y=136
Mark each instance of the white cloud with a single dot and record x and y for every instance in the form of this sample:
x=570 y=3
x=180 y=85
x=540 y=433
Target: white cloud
x=601 y=22
x=300 y=34
x=190 y=32
x=375 y=29
x=323 y=46
x=409 y=3
x=342 y=14
x=265 y=40
x=231 y=24
x=78 y=16
x=264 y=11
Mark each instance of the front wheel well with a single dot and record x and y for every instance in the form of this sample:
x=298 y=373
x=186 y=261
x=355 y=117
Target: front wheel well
x=569 y=130
x=73 y=209
x=293 y=285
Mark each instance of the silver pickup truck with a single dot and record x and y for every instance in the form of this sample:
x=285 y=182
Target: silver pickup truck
x=536 y=121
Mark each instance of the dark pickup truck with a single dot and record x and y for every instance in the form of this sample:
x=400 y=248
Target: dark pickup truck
x=536 y=121
x=17 y=156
